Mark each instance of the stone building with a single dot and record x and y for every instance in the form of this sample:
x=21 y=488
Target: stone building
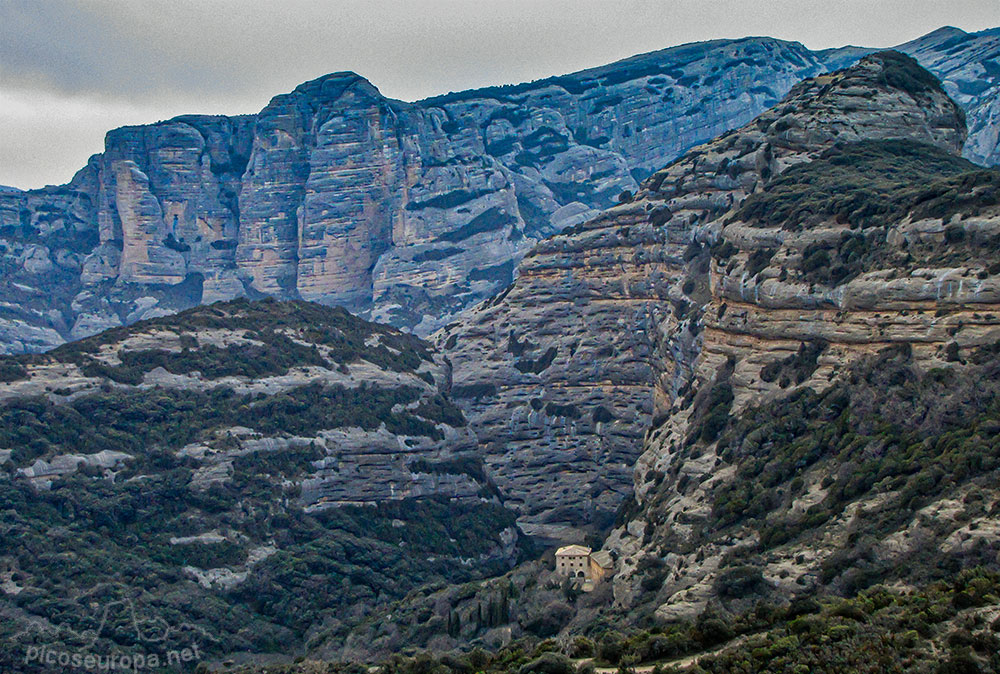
x=601 y=565
x=573 y=561
x=583 y=565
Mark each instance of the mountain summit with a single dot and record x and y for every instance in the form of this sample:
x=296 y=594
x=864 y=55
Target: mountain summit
x=406 y=213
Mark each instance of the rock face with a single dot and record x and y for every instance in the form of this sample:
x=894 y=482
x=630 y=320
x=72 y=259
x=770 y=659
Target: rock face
x=405 y=212
x=562 y=374
x=210 y=350
x=855 y=295
x=968 y=69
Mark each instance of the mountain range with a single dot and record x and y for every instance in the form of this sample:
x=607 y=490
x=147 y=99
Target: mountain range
x=405 y=213
x=758 y=372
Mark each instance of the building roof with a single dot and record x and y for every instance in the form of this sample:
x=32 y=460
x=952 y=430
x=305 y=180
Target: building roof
x=572 y=550
x=603 y=559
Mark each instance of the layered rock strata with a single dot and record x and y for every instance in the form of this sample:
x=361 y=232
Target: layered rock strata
x=562 y=374
x=405 y=212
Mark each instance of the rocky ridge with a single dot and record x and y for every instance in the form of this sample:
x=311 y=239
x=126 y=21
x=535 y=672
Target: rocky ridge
x=857 y=274
x=405 y=212
x=268 y=353
x=807 y=312
x=562 y=374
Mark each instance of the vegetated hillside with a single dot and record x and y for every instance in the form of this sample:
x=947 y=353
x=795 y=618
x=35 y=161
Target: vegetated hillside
x=407 y=213
x=763 y=371
x=839 y=431
x=947 y=627
x=232 y=477
x=818 y=488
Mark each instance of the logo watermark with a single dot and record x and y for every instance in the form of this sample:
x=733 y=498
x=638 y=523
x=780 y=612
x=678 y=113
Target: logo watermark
x=115 y=662
x=152 y=643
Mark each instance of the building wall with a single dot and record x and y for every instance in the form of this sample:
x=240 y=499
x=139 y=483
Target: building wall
x=572 y=565
x=596 y=572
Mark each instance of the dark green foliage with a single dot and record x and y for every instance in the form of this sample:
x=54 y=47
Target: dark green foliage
x=759 y=260
x=900 y=71
x=834 y=264
x=92 y=530
x=716 y=415
x=275 y=356
x=739 y=581
x=879 y=631
x=368 y=557
x=556 y=410
x=11 y=369
x=872 y=183
x=125 y=420
x=474 y=391
x=886 y=428
x=264 y=320
x=442 y=410
x=547 y=622
x=86 y=534
x=460 y=465
x=311 y=408
x=285 y=463
x=797 y=367
x=549 y=663
x=201 y=555
x=117 y=421
x=722 y=250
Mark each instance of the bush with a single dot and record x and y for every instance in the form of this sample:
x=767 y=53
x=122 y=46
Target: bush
x=548 y=663
x=739 y=581
x=580 y=647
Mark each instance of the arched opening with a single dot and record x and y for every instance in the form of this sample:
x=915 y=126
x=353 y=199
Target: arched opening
x=580 y=575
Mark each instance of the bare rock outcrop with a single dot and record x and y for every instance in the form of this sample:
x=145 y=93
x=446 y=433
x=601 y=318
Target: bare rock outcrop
x=563 y=373
x=404 y=212
x=822 y=293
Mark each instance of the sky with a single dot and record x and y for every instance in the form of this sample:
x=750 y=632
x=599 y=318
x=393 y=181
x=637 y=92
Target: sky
x=70 y=70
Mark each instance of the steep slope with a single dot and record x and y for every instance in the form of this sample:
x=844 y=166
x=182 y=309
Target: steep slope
x=968 y=66
x=233 y=476
x=822 y=372
x=838 y=425
x=406 y=213
x=562 y=374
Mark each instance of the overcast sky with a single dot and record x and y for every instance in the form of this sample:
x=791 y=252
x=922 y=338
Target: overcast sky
x=70 y=70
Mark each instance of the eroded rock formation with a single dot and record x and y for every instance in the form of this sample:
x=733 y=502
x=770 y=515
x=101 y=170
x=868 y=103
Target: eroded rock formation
x=405 y=212
x=562 y=374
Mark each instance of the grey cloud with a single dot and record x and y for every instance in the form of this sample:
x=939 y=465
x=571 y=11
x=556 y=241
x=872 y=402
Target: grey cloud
x=233 y=55
x=86 y=47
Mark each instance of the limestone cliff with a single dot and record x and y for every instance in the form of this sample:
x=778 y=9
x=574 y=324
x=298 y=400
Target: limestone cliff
x=803 y=314
x=562 y=374
x=406 y=212
x=857 y=277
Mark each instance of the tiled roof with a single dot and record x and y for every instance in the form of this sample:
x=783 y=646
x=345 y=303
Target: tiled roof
x=603 y=559
x=573 y=550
